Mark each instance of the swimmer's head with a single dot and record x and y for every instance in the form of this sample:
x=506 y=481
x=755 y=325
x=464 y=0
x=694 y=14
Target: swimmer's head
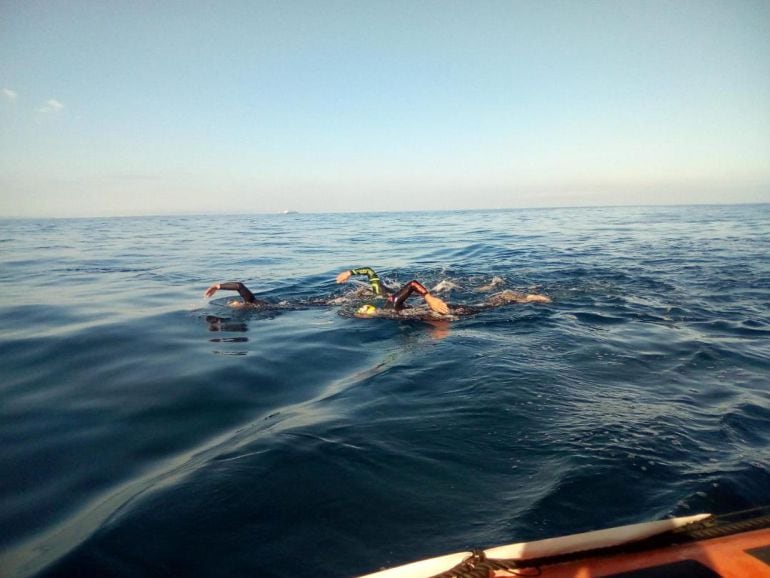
x=366 y=311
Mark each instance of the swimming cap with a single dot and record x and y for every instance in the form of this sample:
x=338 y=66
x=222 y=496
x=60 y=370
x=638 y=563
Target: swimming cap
x=366 y=310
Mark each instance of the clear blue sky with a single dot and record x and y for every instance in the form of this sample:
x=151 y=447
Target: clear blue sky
x=146 y=107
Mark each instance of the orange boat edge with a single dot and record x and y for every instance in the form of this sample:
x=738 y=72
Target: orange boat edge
x=735 y=545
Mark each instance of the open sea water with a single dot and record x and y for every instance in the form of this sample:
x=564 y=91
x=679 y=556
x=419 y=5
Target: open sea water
x=147 y=431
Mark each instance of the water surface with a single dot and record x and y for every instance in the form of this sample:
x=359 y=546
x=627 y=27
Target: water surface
x=149 y=432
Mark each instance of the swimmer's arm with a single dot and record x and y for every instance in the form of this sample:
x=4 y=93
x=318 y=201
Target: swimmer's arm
x=242 y=290
x=435 y=303
x=370 y=273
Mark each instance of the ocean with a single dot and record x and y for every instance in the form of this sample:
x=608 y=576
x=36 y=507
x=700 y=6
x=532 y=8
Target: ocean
x=147 y=431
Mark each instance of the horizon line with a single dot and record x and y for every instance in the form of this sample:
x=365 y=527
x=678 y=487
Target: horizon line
x=295 y=213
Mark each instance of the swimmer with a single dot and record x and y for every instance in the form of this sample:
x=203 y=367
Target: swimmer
x=454 y=311
x=395 y=300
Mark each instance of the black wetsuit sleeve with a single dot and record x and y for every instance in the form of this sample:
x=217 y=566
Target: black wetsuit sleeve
x=242 y=290
x=403 y=294
x=374 y=280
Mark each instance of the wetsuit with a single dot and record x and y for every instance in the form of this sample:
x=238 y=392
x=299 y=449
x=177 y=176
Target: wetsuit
x=374 y=281
x=243 y=291
x=397 y=299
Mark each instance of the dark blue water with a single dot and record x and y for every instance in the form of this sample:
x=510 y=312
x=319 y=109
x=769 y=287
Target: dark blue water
x=146 y=431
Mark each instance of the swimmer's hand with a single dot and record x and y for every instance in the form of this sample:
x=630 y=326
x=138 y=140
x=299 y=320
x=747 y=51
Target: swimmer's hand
x=436 y=304
x=343 y=277
x=211 y=290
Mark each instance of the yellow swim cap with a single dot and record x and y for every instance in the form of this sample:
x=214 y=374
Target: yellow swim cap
x=366 y=310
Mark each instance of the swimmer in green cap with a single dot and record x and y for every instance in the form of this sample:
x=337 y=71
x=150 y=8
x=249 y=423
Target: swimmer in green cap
x=395 y=300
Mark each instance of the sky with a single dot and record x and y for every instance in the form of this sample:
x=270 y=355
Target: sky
x=145 y=107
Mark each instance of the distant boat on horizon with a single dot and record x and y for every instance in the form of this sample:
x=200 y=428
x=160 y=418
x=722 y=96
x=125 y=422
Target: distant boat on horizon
x=288 y=212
